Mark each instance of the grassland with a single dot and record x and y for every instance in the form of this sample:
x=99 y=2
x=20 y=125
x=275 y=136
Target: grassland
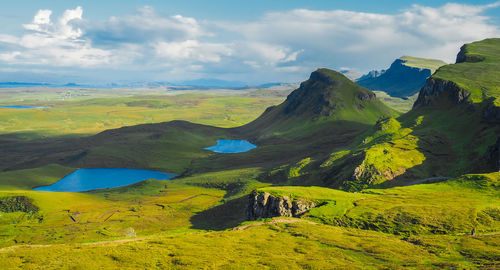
x=90 y=229
x=398 y=104
x=199 y=220
x=422 y=63
x=90 y=116
x=480 y=76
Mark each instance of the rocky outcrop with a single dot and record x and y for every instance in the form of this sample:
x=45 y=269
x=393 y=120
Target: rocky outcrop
x=493 y=155
x=366 y=96
x=17 y=204
x=264 y=205
x=463 y=56
x=438 y=91
x=313 y=96
x=372 y=74
x=491 y=111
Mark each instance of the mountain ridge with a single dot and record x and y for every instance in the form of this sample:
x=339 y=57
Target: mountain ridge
x=405 y=76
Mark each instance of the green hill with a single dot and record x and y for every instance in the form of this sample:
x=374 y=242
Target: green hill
x=326 y=98
x=449 y=132
x=477 y=71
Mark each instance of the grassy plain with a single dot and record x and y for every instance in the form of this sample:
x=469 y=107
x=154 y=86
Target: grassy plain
x=423 y=63
x=90 y=115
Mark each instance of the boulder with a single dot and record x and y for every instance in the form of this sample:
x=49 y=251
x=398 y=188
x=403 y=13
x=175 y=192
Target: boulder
x=264 y=205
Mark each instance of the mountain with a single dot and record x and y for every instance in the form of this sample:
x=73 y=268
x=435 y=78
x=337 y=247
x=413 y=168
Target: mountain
x=453 y=129
x=351 y=74
x=326 y=98
x=404 y=78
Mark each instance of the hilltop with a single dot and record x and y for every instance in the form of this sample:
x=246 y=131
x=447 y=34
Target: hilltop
x=404 y=78
x=325 y=98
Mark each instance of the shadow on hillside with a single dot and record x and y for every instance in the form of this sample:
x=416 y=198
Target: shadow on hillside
x=221 y=217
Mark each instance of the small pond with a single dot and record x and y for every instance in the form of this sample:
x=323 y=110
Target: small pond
x=90 y=179
x=231 y=146
x=19 y=107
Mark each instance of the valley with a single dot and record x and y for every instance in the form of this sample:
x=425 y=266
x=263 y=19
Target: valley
x=335 y=179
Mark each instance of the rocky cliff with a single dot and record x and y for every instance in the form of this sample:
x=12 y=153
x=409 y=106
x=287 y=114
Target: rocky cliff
x=463 y=56
x=493 y=155
x=264 y=205
x=400 y=80
x=438 y=91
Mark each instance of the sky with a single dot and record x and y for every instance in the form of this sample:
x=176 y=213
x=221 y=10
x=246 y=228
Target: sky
x=250 y=41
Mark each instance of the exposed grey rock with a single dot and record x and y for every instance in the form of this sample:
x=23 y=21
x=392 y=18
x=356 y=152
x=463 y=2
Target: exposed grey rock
x=130 y=232
x=372 y=74
x=436 y=91
x=366 y=96
x=462 y=56
x=491 y=112
x=264 y=205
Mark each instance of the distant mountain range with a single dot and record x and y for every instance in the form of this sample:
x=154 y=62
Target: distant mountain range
x=198 y=84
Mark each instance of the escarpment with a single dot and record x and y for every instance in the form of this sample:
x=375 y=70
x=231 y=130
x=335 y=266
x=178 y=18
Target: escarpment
x=265 y=205
x=438 y=92
x=493 y=155
x=400 y=80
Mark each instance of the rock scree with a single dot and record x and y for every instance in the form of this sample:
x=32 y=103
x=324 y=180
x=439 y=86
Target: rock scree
x=265 y=205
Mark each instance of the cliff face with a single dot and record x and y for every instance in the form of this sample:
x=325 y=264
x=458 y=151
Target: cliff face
x=493 y=155
x=463 y=56
x=399 y=80
x=264 y=205
x=438 y=91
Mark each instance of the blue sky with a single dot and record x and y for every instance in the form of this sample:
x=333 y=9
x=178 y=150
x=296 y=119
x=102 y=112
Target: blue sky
x=251 y=41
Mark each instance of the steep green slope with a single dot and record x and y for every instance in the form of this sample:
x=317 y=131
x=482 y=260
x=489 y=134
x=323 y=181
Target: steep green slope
x=328 y=111
x=404 y=78
x=446 y=134
x=477 y=70
x=326 y=98
x=449 y=131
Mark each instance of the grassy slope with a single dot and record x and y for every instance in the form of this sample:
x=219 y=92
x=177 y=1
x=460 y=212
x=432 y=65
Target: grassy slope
x=423 y=63
x=327 y=98
x=441 y=140
x=30 y=178
x=450 y=207
x=398 y=104
x=482 y=78
x=168 y=243
x=290 y=246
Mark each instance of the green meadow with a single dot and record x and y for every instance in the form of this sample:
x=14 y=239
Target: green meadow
x=93 y=114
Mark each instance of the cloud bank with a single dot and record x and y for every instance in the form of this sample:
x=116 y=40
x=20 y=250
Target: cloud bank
x=279 y=46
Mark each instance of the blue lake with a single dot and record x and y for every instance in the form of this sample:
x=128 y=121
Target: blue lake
x=231 y=146
x=19 y=107
x=89 y=179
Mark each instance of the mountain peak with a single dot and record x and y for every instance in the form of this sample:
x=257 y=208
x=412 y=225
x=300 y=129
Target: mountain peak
x=405 y=76
x=326 y=95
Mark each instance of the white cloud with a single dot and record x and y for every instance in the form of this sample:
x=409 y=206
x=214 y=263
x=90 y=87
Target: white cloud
x=192 y=50
x=336 y=36
x=284 y=45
